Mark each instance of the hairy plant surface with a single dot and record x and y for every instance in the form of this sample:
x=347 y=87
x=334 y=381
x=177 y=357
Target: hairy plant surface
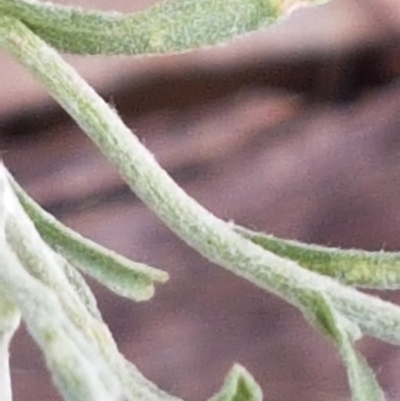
x=40 y=258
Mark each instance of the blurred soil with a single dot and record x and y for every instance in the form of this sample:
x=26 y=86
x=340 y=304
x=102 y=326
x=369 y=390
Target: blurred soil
x=293 y=131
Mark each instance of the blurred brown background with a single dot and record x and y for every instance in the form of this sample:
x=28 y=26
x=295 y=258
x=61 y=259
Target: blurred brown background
x=293 y=131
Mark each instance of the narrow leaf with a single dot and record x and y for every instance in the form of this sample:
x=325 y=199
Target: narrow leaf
x=239 y=385
x=78 y=365
x=363 y=384
x=80 y=286
x=380 y=270
x=167 y=26
x=126 y=278
x=78 y=368
x=206 y=233
x=48 y=268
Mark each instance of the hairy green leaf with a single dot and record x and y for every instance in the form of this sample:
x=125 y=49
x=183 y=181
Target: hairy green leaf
x=355 y=267
x=209 y=235
x=55 y=302
x=319 y=309
x=239 y=385
x=80 y=372
x=167 y=26
x=126 y=278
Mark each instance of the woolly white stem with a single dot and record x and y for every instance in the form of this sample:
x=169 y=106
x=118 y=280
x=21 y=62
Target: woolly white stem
x=9 y=314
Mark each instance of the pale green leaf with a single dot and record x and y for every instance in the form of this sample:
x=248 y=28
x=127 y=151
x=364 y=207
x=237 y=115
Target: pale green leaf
x=380 y=270
x=239 y=385
x=209 y=235
x=79 y=285
x=127 y=278
x=363 y=384
x=167 y=26
x=78 y=368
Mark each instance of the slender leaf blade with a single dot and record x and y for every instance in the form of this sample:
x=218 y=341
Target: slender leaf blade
x=380 y=270
x=363 y=384
x=126 y=278
x=168 y=26
x=239 y=385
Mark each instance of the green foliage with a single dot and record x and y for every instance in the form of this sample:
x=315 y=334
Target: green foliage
x=320 y=311
x=168 y=26
x=126 y=278
x=354 y=267
x=38 y=255
x=239 y=385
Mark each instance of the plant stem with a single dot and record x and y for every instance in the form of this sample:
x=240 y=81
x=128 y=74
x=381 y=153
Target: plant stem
x=48 y=268
x=5 y=377
x=10 y=316
x=9 y=322
x=209 y=235
x=75 y=363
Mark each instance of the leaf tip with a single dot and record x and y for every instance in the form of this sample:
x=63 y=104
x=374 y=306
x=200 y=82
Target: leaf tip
x=239 y=385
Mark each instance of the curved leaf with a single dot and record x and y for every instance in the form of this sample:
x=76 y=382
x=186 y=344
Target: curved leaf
x=355 y=267
x=211 y=236
x=363 y=384
x=126 y=278
x=79 y=370
x=239 y=385
x=167 y=26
